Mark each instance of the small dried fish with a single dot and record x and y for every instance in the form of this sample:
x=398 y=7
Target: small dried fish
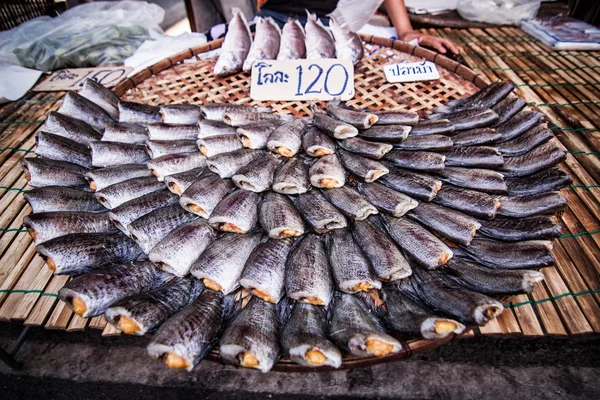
x=215 y=111
x=350 y=202
x=279 y=218
x=469 y=119
x=485 y=98
x=417 y=160
x=511 y=255
x=208 y=128
x=266 y=42
x=104 y=177
x=220 y=265
x=41 y=172
x=473 y=156
x=307 y=274
x=180 y=114
x=508 y=108
x=128 y=212
x=236 y=45
x=428 y=142
x=327 y=172
x=227 y=164
x=484 y=180
x=203 y=195
x=292 y=46
x=49 y=225
x=215 y=145
x=258 y=175
x=432 y=127
x=542 y=182
x=357 y=118
x=237 y=212
x=241 y=117
x=396 y=117
x=457 y=103
x=58 y=198
x=175 y=163
x=256 y=135
x=161 y=131
x=348 y=45
x=71 y=128
x=449 y=223
x=333 y=127
x=475 y=137
x=178 y=183
x=472 y=202
x=527 y=228
x=365 y=148
x=422 y=187
x=387 y=133
x=292 y=177
x=136 y=113
x=317 y=143
x=365 y=168
x=319 y=212
x=539 y=159
x=526 y=142
x=109 y=154
x=121 y=192
x=386 y=199
x=101 y=96
x=59 y=148
x=542 y=203
x=286 y=139
x=76 y=106
x=519 y=124
x=422 y=245
x=319 y=42
x=125 y=132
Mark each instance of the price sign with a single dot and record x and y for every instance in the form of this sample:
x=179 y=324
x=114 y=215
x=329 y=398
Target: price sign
x=411 y=72
x=73 y=78
x=289 y=80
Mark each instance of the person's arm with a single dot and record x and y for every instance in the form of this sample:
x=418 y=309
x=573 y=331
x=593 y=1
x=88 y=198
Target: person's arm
x=396 y=10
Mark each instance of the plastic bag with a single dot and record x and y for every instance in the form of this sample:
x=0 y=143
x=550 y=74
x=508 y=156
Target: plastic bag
x=354 y=14
x=499 y=12
x=89 y=35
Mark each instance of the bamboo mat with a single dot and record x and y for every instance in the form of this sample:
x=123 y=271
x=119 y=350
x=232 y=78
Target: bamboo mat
x=565 y=86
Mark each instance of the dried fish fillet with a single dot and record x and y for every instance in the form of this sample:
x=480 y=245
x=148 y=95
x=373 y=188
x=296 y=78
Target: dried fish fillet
x=104 y=177
x=101 y=96
x=178 y=183
x=208 y=128
x=333 y=127
x=543 y=203
x=365 y=168
x=76 y=106
x=319 y=212
x=327 y=172
x=41 y=172
x=432 y=127
x=422 y=187
x=124 y=132
x=484 y=180
x=176 y=163
x=517 y=229
x=235 y=47
x=256 y=135
x=237 y=212
x=428 y=142
x=350 y=202
x=386 y=199
x=348 y=45
x=136 y=113
x=292 y=45
x=519 y=124
x=319 y=42
x=59 y=148
x=279 y=218
x=317 y=143
x=180 y=114
x=387 y=133
x=365 y=148
x=292 y=177
x=49 y=225
x=227 y=164
x=526 y=142
x=473 y=156
x=118 y=193
x=359 y=119
x=539 y=159
x=162 y=131
x=220 y=144
x=158 y=148
x=449 y=223
x=542 y=182
x=475 y=137
x=416 y=160
x=203 y=195
x=71 y=128
x=215 y=111
x=59 y=198
x=266 y=42
x=109 y=154
x=286 y=139
x=472 y=202
x=511 y=255
x=128 y=212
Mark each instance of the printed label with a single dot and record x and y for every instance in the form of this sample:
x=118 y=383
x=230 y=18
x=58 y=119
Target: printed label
x=411 y=72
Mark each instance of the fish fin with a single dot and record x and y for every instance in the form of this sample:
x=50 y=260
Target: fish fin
x=311 y=16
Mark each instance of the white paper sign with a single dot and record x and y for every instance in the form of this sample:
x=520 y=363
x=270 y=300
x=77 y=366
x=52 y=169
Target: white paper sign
x=411 y=72
x=290 y=80
x=73 y=78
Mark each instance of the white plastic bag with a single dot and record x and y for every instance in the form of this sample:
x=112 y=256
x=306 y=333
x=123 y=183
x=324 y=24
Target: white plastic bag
x=89 y=35
x=354 y=14
x=499 y=12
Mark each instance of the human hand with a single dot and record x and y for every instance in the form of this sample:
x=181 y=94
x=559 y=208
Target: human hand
x=438 y=43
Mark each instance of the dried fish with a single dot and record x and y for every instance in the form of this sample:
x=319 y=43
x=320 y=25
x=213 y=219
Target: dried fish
x=125 y=132
x=175 y=163
x=178 y=183
x=286 y=139
x=348 y=45
x=317 y=143
x=327 y=172
x=508 y=108
x=161 y=131
x=432 y=127
x=386 y=199
x=365 y=148
x=472 y=202
x=279 y=218
x=469 y=119
x=136 y=113
x=387 y=133
x=227 y=164
x=292 y=41
x=237 y=212
x=49 y=225
x=215 y=111
x=59 y=148
x=357 y=118
x=511 y=255
x=41 y=172
x=78 y=107
x=484 y=180
x=539 y=159
x=519 y=124
x=58 y=198
x=333 y=127
x=180 y=114
x=475 y=97
x=256 y=135
x=319 y=42
x=365 y=168
x=203 y=195
x=71 y=128
x=292 y=177
x=350 y=202
x=543 y=203
x=428 y=142
x=485 y=98
x=475 y=137
x=526 y=142
x=266 y=42
x=236 y=45
x=449 y=223
x=417 y=160
x=473 y=156
x=101 y=96
x=108 y=154
x=542 y=182
x=422 y=187
x=397 y=117
x=319 y=212
x=121 y=192
x=241 y=117
x=208 y=128
x=128 y=212
x=215 y=145
x=526 y=228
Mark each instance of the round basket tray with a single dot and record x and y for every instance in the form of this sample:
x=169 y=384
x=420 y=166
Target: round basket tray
x=173 y=81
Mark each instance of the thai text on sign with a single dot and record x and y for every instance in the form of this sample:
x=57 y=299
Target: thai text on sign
x=411 y=72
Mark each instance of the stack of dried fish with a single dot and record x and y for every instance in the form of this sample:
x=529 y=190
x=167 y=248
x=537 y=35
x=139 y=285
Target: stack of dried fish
x=342 y=228
x=313 y=41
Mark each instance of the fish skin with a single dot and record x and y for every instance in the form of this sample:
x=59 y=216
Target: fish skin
x=175 y=163
x=365 y=168
x=227 y=164
x=162 y=131
x=308 y=277
x=327 y=172
x=418 y=242
x=319 y=212
x=278 y=217
x=542 y=203
x=475 y=137
x=527 y=228
x=493 y=282
x=428 y=142
x=264 y=272
x=526 y=142
x=510 y=255
x=365 y=148
x=348 y=45
x=215 y=111
x=305 y=331
x=42 y=172
x=102 y=288
x=133 y=209
x=148 y=230
x=180 y=114
x=49 y=225
x=472 y=202
x=208 y=128
x=195 y=330
x=448 y=298
x=254 y=330
x=351 y=270
x=488 y=97
x=266 y=42
x=220 y=144
x=317 y=143
x=447 y=222
x=238 y=211
x=118 y=193
x=351 y=326
x=396 y=117
x=433 y=127
x=235 y=47
x=387 y=261
x=537 y=160
x=223 y=261
x=387 y=133
x=358 y=118
x=473 y=156
x=407 y=314
x=386 y=199
x=292 y=177
x=177 y=251
x=76 y=106
x=178 y=183
x=150 y=309
x=82 y=252
x=542 y=182
x=456 y=103
x=350 y=202
x=416 y=185
x=480 y=179
x=205 y=194
x=101 y=96
x=256 y=135
x=469 y=119
x=333 y=127
x=71 y=128
x=140 y=114
x=286 y=139
x=293 y=45
x=319 y=41
x=109 y=154
x=416 y=160
x=508 y=108
x=59 y=198
x=519 y=124
x=55 y=147
x=125 y=132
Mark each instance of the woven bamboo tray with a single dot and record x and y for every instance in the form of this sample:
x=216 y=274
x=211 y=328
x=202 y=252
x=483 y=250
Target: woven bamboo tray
x=559 y=84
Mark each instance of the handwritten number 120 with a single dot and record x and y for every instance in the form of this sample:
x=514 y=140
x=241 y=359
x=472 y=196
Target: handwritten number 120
x=309 y=88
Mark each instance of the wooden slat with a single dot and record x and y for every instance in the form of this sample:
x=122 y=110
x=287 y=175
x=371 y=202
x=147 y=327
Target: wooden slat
x=13 y=274
x=45 y=304
x=98 y=322
x=110 y=330
x=547 y=312
x=12 y=302
x=60 y=317
x=77 y=323
x=530 y=326
x=28 y=300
